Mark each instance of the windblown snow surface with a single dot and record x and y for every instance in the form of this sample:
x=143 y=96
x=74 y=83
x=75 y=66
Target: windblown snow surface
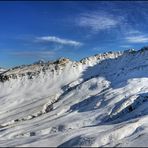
x=100 y=101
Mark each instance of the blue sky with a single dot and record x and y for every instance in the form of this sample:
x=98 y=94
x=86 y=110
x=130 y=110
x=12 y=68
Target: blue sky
x=30 y=31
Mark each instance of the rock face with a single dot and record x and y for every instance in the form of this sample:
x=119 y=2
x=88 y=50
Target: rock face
x=99 y=101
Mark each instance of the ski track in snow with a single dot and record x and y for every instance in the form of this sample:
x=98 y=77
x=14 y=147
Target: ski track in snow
x=100 y=101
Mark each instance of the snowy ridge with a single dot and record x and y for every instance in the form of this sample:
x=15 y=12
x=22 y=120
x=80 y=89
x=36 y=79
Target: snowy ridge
x=41 y=65
x=99 y=101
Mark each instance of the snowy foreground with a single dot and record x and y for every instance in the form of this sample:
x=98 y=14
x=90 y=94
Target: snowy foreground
x=100 y=101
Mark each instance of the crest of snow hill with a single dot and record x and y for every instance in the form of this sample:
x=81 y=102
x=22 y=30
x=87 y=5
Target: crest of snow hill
x=41 y=66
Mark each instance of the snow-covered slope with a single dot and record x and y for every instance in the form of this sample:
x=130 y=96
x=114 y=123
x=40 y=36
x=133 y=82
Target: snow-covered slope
x=100 y=101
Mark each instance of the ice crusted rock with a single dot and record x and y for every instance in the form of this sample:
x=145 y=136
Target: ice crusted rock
x=62 y=61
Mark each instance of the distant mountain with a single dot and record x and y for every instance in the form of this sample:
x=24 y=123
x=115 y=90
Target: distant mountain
x=99 y=101
x=2 y=70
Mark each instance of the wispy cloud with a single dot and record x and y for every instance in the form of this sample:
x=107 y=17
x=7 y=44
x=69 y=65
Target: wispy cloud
x=32 y=53
x=58 y=40
x=137 y=39
x=132 y=32
x=97 y=21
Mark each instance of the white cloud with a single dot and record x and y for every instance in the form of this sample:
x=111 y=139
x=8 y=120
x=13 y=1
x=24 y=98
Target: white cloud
x=98 y=21
x=137 y=39
x=125 y=46
x=58 y=40
x=132 y=32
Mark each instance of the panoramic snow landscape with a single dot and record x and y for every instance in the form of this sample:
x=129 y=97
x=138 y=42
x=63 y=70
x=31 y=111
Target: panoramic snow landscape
x=73 y=74
x=99 y=101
